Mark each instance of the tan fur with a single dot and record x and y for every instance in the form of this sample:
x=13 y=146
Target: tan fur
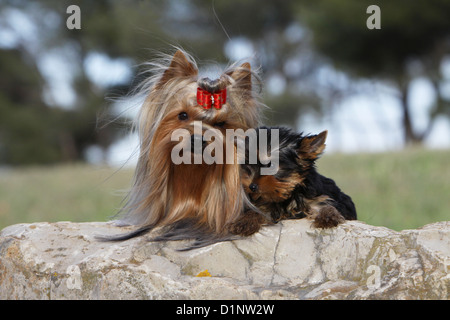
x=273 y=190
x=313 y=146
x=164 y=193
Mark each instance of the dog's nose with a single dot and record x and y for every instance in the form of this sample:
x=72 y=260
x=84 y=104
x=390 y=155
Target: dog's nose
x=197 y=142
x=253 y=187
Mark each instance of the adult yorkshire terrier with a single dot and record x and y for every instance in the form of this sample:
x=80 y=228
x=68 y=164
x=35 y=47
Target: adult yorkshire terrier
x=191 y=199
x=296 y=190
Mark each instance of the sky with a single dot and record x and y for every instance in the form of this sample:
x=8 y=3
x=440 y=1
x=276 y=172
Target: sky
x=369 y=122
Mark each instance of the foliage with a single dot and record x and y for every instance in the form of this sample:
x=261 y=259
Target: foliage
x=413 y=42
x=295 y=43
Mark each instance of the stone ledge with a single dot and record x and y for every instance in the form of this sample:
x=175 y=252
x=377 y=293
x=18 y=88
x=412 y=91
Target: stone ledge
x=290 y=260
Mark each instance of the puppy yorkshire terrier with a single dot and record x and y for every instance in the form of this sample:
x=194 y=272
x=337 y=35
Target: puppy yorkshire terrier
x=174 y=186
x=296 y=190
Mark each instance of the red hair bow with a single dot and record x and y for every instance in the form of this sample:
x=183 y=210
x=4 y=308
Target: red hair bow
x=207 y=99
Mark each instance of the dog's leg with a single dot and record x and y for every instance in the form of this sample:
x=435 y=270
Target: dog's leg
x=322 y=212
x=247 y=224
x=328 y=217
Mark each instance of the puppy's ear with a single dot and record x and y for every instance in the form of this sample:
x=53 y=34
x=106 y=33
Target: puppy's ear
x=180 y=66
x=311 y=147
x=243 y=77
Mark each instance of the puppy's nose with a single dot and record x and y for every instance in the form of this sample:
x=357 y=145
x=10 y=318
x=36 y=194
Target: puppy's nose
x=253 y=187
x=198 y=143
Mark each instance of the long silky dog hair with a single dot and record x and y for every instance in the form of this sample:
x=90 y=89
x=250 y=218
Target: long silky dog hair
x=189 y=201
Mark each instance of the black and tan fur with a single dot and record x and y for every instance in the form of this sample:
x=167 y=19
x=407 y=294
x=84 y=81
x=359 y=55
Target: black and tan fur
x=297 y=190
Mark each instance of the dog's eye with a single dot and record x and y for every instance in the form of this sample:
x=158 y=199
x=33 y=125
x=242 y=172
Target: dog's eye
x=219 y=124
x=183 y=116
x=253 y=187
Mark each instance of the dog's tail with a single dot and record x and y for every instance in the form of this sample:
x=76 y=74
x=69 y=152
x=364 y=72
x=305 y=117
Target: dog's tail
x=125 y=236
x=186 y=229
x=190 y=229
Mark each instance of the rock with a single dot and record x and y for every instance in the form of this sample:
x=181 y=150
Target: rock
x=290 y=260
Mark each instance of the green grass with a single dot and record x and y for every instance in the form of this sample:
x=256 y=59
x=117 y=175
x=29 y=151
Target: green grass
x=62 y=193
x=399 y=190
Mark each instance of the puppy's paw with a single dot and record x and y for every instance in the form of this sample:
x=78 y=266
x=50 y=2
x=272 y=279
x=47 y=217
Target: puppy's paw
x=247 y=224
x=328 y=217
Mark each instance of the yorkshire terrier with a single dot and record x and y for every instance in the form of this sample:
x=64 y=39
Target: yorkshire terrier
x=174 y=186
x=296 y=190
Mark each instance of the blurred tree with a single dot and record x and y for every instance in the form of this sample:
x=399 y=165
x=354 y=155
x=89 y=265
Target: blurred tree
x=413 y=41
x=34 y=128
x=286 y=36
x=31 y=131
x=24 y=119
x=126 y=29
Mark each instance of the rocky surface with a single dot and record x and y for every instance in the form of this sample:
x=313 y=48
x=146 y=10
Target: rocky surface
x=290 y=260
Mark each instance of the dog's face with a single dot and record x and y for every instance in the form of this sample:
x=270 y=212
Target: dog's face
x=176 y=101
x=186 y=123
x=297 y=155
x=268 y=188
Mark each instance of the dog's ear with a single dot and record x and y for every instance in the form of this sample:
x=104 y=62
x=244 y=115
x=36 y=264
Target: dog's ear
x=180 y=66
x=311 y=147
x=243 y=76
